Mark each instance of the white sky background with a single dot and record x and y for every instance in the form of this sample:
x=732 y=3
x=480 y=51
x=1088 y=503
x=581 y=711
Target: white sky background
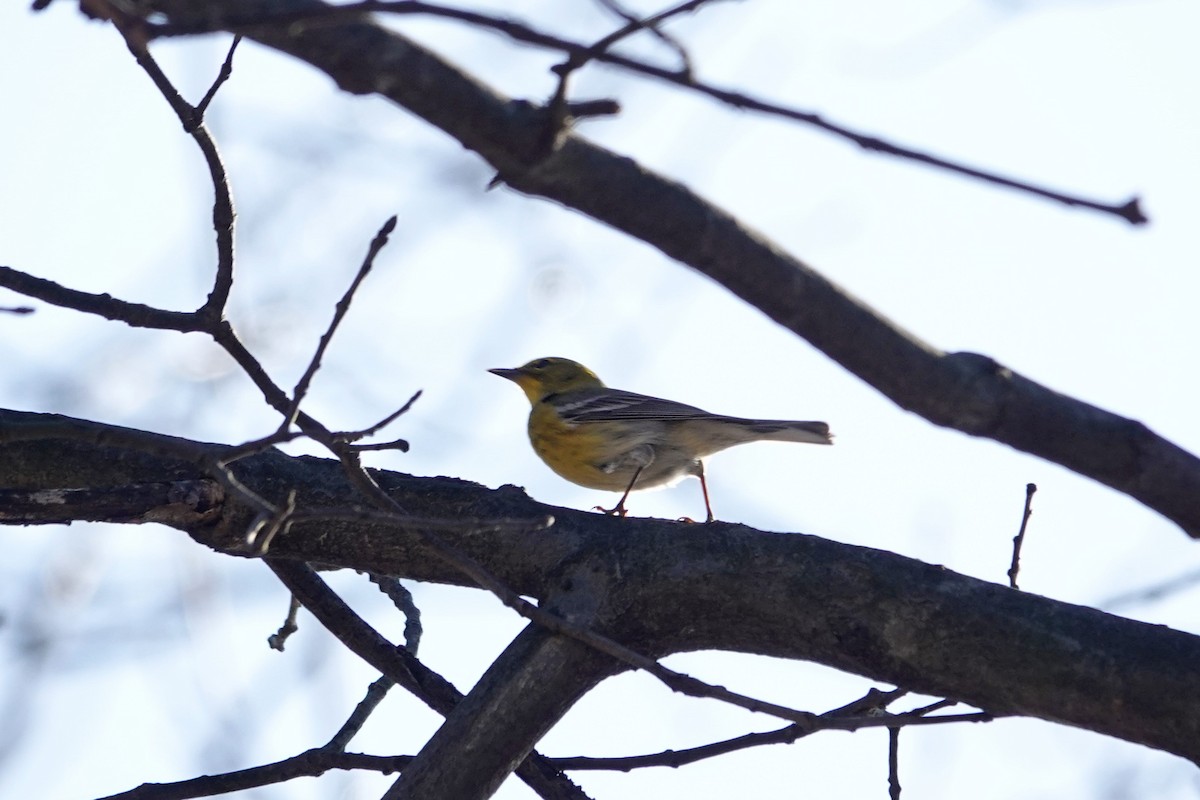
x=132 y=655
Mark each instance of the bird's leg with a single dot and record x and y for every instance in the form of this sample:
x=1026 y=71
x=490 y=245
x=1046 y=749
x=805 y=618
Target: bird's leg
x=619 y=508
x=699 y=473
x=704 y=488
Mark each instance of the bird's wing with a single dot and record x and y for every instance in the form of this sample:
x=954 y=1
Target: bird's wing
x=606 y=405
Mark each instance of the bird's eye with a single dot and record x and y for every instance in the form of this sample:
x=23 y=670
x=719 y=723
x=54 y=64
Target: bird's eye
x=541 y=363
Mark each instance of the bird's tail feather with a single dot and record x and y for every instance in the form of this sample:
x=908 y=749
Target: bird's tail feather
x=788 y=431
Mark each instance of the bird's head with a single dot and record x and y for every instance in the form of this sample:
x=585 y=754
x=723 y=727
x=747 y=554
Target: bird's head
x=546 y=376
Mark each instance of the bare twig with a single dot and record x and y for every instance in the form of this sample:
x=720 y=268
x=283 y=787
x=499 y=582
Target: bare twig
x=237 y=452
x=867 y=712
x=343 y=306
x=399 y=594
x=16 y=309
x=310 y=763
x=894 y=763
x=374 y=696
x=873 y=701
x=558 y=108
x=399 y=444
x=223 y=75
x=395 y=444
x=135 y=315
x=224 y=336
x=1019 y=539
x=133 y=30
x=929 y=709
x=653 y=25
x=279 y=638
x=264 y=529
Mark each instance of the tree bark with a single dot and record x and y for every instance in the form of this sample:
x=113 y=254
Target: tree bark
x=668 y=587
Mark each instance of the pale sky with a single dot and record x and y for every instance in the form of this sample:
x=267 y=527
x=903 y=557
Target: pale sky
x=101 y=191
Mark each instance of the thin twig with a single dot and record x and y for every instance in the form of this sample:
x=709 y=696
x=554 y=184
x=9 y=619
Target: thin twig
x=135 y=315
x=894 y=763
x=350 y=728
x=223 y=75
x=278 y=639
x=856 y=716
x=399 y=444
x=134 y=31
x=653 y=24
x=873 y=701
x=263 y=531
x=310 y=763
x=557 y=106
x=339 y=313
x=253 y=447
x=395 y=444
x=929 y=709
x=1019 y=539
x=402 y=598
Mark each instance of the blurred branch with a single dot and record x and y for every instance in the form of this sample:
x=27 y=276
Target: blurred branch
x=1150 y=594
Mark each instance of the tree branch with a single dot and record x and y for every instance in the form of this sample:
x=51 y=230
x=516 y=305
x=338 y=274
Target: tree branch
x=687 y=587
x=522 y=695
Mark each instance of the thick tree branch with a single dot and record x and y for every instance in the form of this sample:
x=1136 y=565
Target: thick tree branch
x=522 y=695
x=971 y=393
x=669 y=587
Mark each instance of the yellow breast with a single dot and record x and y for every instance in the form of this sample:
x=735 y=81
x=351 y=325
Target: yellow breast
x=578 y=452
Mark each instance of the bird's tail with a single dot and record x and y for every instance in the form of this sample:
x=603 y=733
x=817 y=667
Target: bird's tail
x=779 y=430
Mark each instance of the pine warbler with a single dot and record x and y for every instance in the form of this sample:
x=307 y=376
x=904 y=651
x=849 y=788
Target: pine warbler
x=619 y=441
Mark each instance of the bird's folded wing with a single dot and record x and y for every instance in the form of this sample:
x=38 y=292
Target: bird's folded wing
x=606 y=405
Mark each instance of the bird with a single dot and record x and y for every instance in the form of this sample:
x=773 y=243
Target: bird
x=619 y=441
